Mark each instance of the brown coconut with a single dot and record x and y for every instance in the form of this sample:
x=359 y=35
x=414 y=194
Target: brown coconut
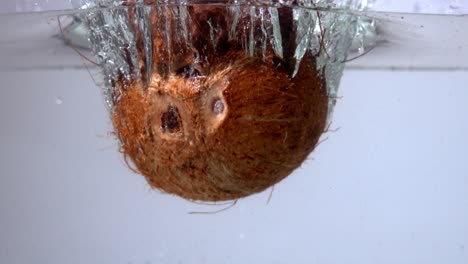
x=224 y=128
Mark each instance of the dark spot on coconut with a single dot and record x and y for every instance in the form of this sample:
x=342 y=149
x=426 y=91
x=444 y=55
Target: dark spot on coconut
x=162 y=69
x=170 y=120
x=218 y=106
x=188 y=71
x=278 y=62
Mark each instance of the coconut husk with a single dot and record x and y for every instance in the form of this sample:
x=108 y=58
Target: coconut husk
x=213 y=122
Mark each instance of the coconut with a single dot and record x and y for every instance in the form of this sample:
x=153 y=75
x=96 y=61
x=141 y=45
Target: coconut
x=215 y=123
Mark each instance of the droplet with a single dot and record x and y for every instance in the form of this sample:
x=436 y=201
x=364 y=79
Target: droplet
x=58 y=100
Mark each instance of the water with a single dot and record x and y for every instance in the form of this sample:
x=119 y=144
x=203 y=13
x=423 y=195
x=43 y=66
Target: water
x=32 y=41
x=408 y=41
x=418 y=42
x=393 y=178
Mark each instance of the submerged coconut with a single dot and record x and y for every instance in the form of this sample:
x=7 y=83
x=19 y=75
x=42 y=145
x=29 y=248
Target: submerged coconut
x=213 y=122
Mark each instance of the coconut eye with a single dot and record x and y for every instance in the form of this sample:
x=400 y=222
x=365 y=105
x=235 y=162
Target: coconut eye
x=217 y=106
x=188 y=71
x=170 y=120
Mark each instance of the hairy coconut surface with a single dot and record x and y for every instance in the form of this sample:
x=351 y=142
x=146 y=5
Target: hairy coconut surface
x=222 y=124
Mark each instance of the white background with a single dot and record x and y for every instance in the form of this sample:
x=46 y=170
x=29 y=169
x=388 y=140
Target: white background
x=390 y=186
